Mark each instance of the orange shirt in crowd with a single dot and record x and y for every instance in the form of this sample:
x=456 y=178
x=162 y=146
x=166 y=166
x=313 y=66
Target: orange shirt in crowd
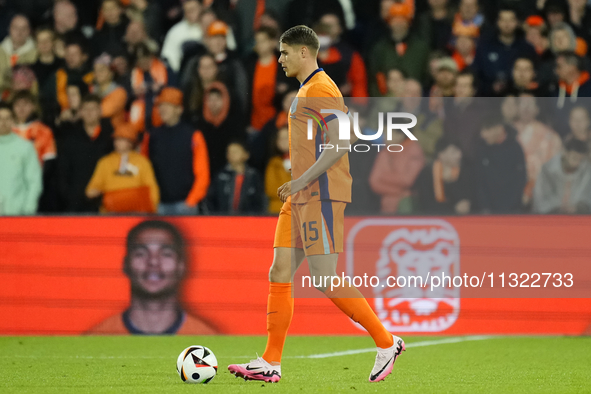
x=263 y=94
x=42 y=138
x=113 y=106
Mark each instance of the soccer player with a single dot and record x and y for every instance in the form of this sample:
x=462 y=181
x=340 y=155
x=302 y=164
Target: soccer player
x=315 y=202
x=155 y=263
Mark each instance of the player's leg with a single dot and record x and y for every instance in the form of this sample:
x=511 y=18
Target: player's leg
x=280 y=302
x=286 y=260
x=322 y=260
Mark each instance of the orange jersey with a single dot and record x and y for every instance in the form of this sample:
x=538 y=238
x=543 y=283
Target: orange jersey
x=316 y=93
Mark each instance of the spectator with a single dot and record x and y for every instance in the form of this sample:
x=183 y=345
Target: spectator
x=75 y=92
x=394 y=173
x=464 y=47
x=113 y=96
x=74 y=71
x=149 y=12
x=500 y=171
x=495 y=56
x=339 y=60
x=237 y=188
x=125 y=178
x=580 y=18
x=253 y=14
x=135 y=35
x=266 y=80
x=20 y=178
x=217 y=125
x=259 y=149
x=469 y=14
x=205 y=73
x=445 y=79
x=524 y=78
x=189 y=29
x=23 y=78
x=564 y=184
x=148 y=77
x=402 y=50
x=65 y=17
x=109 y=37
x=538 y=141
x=47 y=63
x=580 y=126
x=573 y=80
x=28 y=127
x=536 y=34
x=278 y=170
x=230 y=67
x=435 y=24
x=179 y=156
x=17 y=48
x=562 y=38
x=80 y=147
x=428 y=128
x=555 y=12
x=463 y=116
x=446 y=186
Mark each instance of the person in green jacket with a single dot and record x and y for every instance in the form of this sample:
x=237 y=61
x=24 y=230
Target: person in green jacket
x=402 y=50
x=20 y=171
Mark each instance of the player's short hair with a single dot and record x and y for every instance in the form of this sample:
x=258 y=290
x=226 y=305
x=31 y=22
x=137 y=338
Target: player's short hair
x=301 y=35
x=178 y=242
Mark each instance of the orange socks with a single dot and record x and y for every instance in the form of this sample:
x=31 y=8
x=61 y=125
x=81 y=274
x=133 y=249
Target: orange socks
x=279 y=314
x=353 y=304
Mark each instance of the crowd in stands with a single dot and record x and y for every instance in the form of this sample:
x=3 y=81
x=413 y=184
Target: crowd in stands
x=180 y=106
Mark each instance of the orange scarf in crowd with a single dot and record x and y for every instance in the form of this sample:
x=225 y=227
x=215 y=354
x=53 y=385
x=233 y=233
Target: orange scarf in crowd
x=438 y=182
x=584 y=77
x=157 y=71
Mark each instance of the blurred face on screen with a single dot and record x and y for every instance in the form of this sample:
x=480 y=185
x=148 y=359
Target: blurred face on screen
x=154 y=266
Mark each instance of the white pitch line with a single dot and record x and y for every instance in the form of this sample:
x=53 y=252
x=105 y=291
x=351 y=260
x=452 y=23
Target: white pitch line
x=409 y=345
x=321 y=355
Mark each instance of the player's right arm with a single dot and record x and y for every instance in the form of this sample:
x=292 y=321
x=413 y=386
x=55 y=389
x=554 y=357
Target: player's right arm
x=327 y=159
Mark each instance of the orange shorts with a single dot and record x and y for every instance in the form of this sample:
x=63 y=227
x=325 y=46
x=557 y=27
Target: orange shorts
x=316 y=227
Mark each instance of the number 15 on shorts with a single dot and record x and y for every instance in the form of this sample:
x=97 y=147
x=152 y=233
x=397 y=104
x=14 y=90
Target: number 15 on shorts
x=310 y=229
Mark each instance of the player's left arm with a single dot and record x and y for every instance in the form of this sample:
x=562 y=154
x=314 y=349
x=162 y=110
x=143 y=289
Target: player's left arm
x=327 y=159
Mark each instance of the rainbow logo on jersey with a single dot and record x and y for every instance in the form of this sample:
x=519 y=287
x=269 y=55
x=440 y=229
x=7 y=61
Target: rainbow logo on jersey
x=317 y=117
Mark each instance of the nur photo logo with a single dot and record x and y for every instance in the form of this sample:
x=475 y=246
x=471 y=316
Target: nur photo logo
x=344 y=120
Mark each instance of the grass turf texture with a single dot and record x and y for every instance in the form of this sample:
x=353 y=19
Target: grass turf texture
x=147 y=365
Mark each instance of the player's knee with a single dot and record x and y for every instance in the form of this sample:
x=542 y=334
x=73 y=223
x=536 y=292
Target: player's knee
x=280 y=273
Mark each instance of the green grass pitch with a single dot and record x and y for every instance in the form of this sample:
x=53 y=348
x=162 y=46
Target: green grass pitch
x=429 y=365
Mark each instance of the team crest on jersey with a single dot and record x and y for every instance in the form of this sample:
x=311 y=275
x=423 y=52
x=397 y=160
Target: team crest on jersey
x=410 y=248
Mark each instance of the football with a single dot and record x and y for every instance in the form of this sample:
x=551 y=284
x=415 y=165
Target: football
x=197 y=364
